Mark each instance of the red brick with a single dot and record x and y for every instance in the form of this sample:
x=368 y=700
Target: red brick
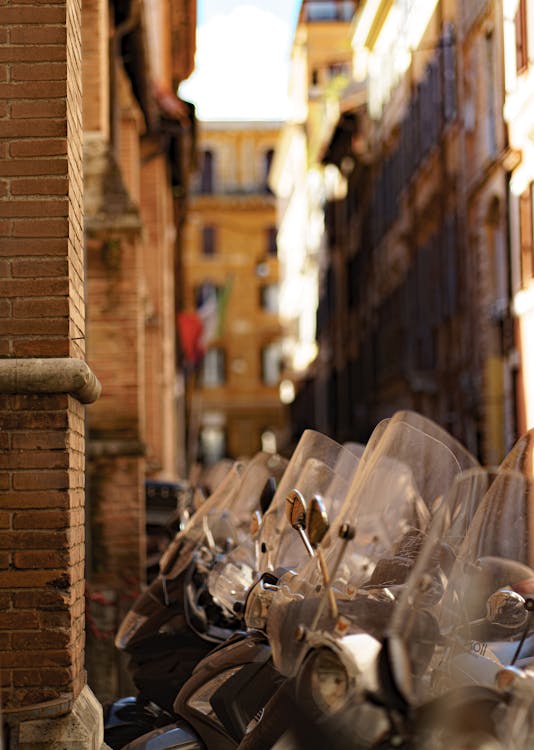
x=33 y=288
x=40 y=560
x=35 y=499
x=33 y=90
x=38 y=35
x=45 y=640
x=39 y=146
x=34 y=659
x=49 y=601
x=29 y=480
x=5 y=520
x=41 y=403
x=34 y=327
x=40 y=228
x=24 y=539
x=34 y=128
x=34 y=459
x=18 y=14
x=42 y=520
x=45 y=347
x=44 y=677
x=28 y=167
x=42 y=186
x=5 y=560
x=30 y=421
x=33 y=53
x=41 y=109
x=47 y=307
x=38 y=209
x=40 y=268
x=5 y=601
x=30 y=579
x=11 y=247
x=39 y=71
x=19 y=620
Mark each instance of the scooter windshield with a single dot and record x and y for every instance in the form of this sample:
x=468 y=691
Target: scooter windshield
x=405 y=471
x=222 y=520
x=482 y=621
x=318 y=465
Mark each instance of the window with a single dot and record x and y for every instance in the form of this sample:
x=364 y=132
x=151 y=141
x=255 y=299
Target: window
x=269 y=298
x=208 y=240
x=206 y=180
x=521 y=36
x=271 y=241
x=526 y=234
x=269 y=155
x=335 y=10
x=212 y=374
x=271 y=363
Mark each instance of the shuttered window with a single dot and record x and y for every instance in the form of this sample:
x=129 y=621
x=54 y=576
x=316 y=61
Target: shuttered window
x=521 y=36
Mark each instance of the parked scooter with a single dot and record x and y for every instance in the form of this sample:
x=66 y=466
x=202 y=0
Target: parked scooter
x=326 y=625
x=175 y=622
x=455 y=669
x=210 y=706
x=238 y=678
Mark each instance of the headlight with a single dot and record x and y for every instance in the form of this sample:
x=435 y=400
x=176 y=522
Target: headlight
x=325 y=680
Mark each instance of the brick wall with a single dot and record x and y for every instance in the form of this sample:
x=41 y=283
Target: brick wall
x=116 y=422
x=41 y=315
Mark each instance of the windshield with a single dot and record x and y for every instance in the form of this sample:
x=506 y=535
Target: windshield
x=318 y=466
x=405 y=471
x=222 y=520
x=480 y=622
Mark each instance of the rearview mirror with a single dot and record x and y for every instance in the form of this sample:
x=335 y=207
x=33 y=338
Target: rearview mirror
x=317 y=523
x=296 y=510
x=506 y=608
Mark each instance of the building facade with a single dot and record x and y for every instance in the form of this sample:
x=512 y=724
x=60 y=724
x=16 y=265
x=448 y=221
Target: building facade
x=230 y=277
x=414 y=295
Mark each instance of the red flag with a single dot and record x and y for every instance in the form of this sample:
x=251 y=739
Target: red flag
x=190 y=332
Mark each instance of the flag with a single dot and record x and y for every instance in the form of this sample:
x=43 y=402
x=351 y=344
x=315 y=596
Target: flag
x=190 y=334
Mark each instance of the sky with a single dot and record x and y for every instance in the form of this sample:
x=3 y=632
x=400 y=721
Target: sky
x=242 y=59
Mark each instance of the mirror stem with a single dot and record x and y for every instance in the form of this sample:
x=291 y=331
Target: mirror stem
x=326 y=578
x=306 y=541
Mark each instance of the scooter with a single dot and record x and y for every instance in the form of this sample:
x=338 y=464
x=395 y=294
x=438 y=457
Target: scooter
x=210 y=707
x=238 y=677
x=455 y=668
x=175 y=622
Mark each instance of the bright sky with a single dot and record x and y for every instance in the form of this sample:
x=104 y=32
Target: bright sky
x=242 y=59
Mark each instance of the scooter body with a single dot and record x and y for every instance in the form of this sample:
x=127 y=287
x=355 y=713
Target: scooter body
x=226 y=692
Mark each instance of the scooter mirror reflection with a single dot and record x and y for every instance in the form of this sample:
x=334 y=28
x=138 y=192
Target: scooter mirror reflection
x=317 y=523
x=268 y=492
x=296 y=510
x=507 y=609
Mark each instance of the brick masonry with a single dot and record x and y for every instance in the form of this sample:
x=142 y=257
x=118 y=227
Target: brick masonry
x=42 y=314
